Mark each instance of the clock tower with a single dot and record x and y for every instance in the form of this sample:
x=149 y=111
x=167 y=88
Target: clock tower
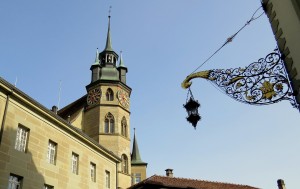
x=107 y=111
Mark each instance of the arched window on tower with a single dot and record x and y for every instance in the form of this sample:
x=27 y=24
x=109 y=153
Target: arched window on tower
x=109 y=123
x=109 y=94
x=124 y=163
x=124 y=127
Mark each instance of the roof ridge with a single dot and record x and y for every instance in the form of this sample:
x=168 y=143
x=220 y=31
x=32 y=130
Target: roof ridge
x=192 y=179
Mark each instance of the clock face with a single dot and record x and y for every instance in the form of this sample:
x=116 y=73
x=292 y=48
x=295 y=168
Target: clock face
x=123 y=98
x=94 y=96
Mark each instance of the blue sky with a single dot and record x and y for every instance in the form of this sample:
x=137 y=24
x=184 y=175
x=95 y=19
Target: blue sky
x=45 y=42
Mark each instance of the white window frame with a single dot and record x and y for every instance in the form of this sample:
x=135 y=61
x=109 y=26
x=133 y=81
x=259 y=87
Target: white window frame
x=93 y=171
x=107 y=179
x=51 y=154
x=74 y=163
x=21 y=138
x=15 y=182
x=136 y=178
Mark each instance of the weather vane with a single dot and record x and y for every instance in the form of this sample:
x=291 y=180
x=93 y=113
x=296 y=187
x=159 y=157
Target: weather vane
x=109 y=11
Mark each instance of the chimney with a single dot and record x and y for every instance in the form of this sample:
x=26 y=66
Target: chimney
x=169 y=172
x=281 y=184
x=54 y=109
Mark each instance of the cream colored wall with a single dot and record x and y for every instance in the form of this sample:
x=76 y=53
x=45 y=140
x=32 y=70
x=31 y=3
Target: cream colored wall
x=284 y=19
x=139 y=169
x=33 y=166
x=77 y=119
x=91 y=121
x=124 y=180
x=117 y=143
x=290 y=24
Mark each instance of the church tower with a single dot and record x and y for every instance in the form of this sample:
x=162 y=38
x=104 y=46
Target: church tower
x=103 y=113
x=107 y=113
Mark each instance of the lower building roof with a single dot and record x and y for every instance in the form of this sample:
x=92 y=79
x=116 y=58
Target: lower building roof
x=156 y=181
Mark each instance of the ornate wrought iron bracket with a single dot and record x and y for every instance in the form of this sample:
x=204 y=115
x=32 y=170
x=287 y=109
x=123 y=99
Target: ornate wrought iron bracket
x=261 y=83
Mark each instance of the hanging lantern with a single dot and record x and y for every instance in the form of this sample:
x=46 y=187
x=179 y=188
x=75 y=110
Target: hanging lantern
x=191 y=107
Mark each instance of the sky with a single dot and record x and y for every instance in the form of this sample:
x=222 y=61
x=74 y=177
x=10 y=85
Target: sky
x=45 y=43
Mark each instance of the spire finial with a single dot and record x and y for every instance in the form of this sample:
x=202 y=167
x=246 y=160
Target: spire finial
x=109 y=11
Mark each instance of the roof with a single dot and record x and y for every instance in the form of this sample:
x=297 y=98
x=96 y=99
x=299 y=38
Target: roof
x=72 y=107
x=156 y=181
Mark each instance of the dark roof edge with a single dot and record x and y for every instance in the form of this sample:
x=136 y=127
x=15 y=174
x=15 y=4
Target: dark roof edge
x=62 y=110
x=139 y=163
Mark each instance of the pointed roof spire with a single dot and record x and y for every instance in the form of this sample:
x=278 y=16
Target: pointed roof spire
x=135 y=155
x=108 y=46
x=121 y=63
x=96 y=58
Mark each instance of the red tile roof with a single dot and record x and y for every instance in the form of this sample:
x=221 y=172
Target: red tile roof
x=173 y=182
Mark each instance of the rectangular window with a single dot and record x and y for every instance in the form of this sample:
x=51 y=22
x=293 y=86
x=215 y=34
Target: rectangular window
x=74 y=165
x=51 y=155
x=46 y=186
x=107 y=179
x=136 y=178
x=15 y=182
x=21 y=138
x=93 y=172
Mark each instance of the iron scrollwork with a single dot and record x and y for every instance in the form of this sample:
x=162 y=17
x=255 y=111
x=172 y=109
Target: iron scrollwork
x=262 y=82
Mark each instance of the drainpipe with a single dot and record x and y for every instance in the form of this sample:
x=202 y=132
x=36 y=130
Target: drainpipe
x=4 y=116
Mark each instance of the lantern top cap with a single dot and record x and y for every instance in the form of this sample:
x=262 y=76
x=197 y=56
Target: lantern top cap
x=192 y=104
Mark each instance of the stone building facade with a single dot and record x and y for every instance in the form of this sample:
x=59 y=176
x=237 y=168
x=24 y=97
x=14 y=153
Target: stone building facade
x=83 y=145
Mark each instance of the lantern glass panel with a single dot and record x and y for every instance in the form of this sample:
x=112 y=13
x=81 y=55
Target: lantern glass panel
x=195 y=111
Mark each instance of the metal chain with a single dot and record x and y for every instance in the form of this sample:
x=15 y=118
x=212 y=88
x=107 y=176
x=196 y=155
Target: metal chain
x=189 y=93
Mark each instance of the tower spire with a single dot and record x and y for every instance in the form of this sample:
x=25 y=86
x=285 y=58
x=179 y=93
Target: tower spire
x=97 y=57
x=135 y=156
x=108 y=46
x=95 y=68
x=121 y=63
